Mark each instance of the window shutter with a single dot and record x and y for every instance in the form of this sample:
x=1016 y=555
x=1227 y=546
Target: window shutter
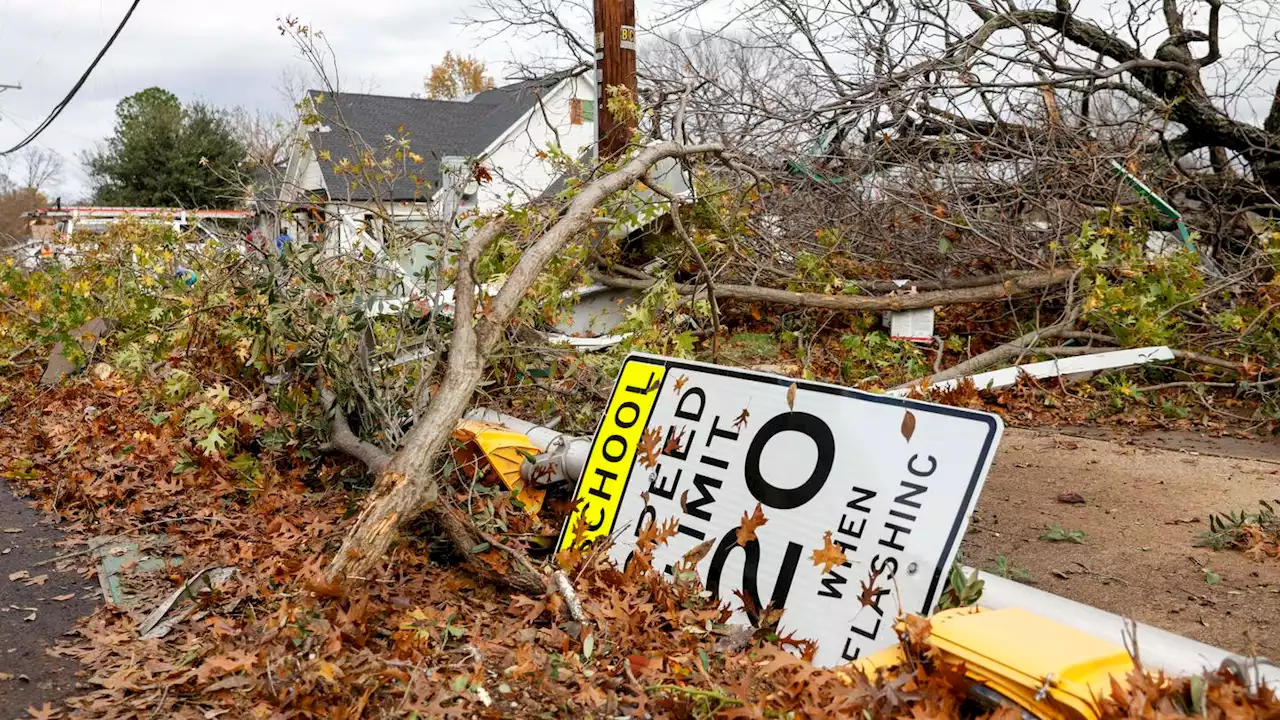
x=575 y=111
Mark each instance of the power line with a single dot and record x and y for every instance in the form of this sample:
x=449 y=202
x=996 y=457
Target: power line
x=57 y=109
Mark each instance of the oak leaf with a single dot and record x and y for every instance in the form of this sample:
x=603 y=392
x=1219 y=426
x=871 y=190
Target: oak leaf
x=870 y=595
x=673 y=443
x=648 y=448
x=829 y=556
x=747 y=530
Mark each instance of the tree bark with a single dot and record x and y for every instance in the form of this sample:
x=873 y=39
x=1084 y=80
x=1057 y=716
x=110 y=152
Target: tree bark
x=1019 y=285
x=410 y=482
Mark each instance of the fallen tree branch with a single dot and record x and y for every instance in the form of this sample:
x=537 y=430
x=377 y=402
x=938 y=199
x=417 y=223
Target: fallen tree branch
x=994 y=356
x=410 y=483
x=341 y=437
x=1014 y=287
x=570 y=596
x=1208 y=360
x=1198 y=384
x=703 y=269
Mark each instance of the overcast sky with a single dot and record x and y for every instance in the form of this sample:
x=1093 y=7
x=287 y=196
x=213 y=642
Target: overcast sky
x=223 y=52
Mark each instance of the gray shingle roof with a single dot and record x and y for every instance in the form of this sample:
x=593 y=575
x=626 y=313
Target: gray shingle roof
x=434 y=129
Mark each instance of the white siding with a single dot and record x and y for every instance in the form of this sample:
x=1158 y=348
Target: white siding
x=519 y=175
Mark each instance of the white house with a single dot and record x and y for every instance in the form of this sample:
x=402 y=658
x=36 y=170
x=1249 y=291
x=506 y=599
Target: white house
x=429 y=151
x=367 y=158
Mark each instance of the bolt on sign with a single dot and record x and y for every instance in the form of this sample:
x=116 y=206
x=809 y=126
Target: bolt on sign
x=838 y=506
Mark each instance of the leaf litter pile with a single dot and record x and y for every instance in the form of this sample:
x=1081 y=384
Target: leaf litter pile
x=422 y=638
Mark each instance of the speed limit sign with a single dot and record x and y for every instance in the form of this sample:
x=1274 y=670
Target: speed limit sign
x=854 y=504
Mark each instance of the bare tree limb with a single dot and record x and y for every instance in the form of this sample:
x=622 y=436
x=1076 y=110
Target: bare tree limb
x=341 y=437
x=1020 y=285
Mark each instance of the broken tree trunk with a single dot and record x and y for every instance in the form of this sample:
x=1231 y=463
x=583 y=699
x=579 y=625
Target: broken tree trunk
x=410 y=482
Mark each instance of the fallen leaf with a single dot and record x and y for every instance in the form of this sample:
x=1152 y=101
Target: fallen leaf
x=680 y=382
x=1071 y=498
x=694 y=556
x=747 y=530
x=5 y=676
x=44 y=712
x=673 y=443
x=648 y=448
x=684 y=501
x=37 y=580
x=791 y=397
x=908 y=425
x=12 y=530
x=741 y=422
x=870 y=595
x=829 y=556
x=64 y=598
x=19 y=575
x=1211 y=577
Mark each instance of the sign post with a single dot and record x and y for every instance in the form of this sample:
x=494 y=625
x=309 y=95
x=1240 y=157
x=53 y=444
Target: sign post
x=865 y=498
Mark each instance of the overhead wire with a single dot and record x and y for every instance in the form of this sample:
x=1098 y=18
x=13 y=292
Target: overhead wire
x=57 y=109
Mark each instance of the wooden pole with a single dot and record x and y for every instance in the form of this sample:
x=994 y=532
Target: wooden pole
x=615 y=67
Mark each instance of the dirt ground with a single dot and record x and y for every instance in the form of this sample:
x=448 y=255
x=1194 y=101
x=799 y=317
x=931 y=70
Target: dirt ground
x=35 y=611
x=1147 y=498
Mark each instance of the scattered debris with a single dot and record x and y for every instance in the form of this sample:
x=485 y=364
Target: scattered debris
x=1071 y=498
x=1077 y=367
x=157 y=624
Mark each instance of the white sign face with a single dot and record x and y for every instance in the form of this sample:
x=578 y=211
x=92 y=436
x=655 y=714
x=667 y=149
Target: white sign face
x=888 y=482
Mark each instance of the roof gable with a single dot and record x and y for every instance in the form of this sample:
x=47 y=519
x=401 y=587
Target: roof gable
x=433 y=129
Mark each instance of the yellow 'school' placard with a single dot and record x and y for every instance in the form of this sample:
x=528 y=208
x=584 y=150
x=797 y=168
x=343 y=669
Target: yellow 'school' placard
x=613 y=453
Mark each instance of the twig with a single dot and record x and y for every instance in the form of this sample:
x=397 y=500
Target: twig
x=570 y=597
x=1195 y=384
x=697 y=254
x=724 y=700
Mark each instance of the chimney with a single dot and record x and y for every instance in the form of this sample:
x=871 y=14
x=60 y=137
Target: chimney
x=615 y=66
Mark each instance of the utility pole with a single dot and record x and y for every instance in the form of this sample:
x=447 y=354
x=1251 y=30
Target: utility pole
x=615 y=66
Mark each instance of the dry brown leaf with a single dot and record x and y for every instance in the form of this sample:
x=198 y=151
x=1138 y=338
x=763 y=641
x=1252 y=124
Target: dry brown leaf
x=647 y=450
x=680 y=382
x=908 y=425
x=694 y=556
x=791 y=397
x=747 y=530
x=37 y=580
x=870 y=595
x=64 y=598
x=673 y=443
x=19 y=575
x=44 y=712
x=830 y=555
x=741 y=421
